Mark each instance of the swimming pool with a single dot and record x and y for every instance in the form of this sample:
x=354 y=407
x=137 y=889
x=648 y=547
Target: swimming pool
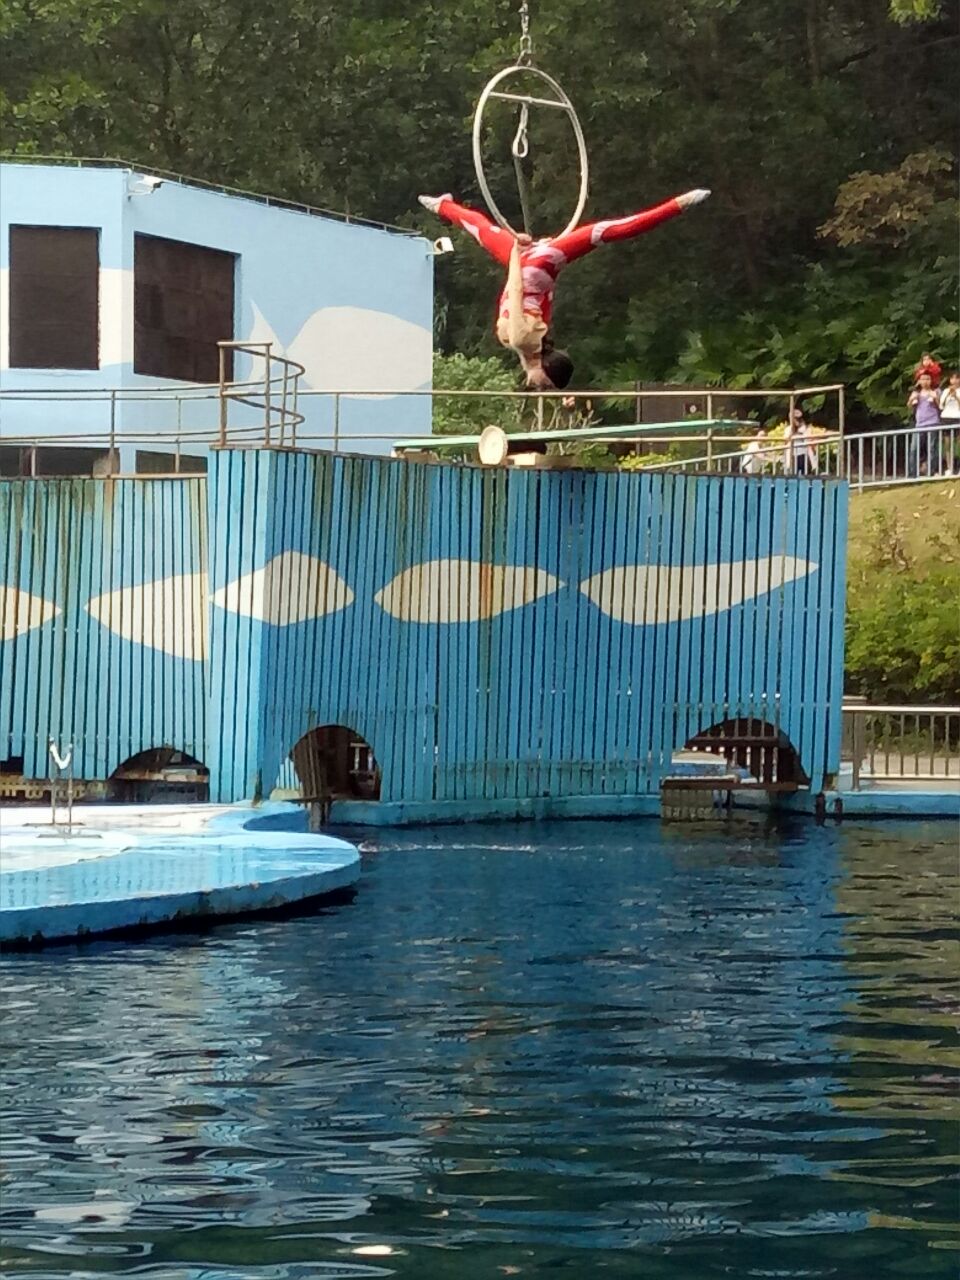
x=578 y=1049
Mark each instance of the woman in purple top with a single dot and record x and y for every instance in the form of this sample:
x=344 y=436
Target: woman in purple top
x=924 y=400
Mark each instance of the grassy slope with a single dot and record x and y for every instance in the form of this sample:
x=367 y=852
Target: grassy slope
x=922 y=509
x=903 y=593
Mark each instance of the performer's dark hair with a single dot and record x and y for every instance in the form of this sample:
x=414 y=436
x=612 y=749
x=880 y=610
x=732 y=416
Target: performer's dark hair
x=558 y=367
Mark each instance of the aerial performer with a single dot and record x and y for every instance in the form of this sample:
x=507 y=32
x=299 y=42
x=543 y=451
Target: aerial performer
x=525 y=308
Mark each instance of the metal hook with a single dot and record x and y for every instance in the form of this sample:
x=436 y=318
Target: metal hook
x=521 y=141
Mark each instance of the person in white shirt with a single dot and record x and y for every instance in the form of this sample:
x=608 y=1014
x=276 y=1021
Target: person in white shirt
x=950 y=417
x=950 y=400
x=753 y=457
x=800 y=457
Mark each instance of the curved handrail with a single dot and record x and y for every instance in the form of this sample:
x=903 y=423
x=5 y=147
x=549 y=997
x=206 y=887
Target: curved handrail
x=283 y=414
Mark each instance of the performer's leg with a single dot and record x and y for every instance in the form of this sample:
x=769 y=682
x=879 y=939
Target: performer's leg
x=576 y=243
x=494 y=239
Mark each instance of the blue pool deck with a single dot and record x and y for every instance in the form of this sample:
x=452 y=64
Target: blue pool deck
x=126 y=868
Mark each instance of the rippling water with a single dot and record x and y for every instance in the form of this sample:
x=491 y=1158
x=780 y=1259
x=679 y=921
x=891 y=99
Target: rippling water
x=577 y=1050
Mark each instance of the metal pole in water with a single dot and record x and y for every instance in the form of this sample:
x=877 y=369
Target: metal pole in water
x=61 y=763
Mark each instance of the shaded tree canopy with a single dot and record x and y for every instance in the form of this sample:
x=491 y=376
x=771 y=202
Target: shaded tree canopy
x=824 y=128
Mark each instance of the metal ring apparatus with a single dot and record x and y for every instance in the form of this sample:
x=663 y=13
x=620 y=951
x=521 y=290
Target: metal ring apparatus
x=559 y=102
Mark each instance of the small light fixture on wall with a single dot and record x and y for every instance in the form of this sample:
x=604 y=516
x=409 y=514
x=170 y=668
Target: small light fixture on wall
x=443 y=245
x=145 y=185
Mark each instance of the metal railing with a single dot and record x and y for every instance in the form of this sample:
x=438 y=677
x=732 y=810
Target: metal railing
x=901 y=743
x=903 y=456
x=274 y=409
x=275 y=397
x=877 y=459
x=820 y=455
x=169 y=175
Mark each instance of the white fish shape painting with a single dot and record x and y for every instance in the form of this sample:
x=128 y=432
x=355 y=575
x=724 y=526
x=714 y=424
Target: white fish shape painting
x=21 y=612
x=290 y=588
x=650 y=594
x=456 y=591
x=169 y=614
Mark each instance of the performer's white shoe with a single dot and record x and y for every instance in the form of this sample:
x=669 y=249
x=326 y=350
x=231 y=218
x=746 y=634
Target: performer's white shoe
x=688 y=198
x=433 y=202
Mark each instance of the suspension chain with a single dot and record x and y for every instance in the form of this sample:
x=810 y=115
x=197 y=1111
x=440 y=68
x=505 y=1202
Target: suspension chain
x=525 y=56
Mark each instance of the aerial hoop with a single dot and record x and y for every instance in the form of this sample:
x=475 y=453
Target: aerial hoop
x=560 y=102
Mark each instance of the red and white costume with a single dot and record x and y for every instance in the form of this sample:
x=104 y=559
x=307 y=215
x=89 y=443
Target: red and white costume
x=543 y=260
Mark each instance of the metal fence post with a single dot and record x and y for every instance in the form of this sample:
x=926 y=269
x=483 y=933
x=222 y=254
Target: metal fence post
x=336 y=422
x=267 y=411
x=113 y=462
x=223 y=396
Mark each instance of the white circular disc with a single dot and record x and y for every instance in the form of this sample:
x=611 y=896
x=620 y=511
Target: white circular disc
x=492 y=449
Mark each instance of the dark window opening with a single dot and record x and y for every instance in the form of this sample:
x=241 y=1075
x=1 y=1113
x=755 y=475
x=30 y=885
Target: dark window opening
x=29 y=460
x=183 y=305
x=54 y=297
x=150 y=463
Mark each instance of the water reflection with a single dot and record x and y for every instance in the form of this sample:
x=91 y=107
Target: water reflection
x=604 y=1048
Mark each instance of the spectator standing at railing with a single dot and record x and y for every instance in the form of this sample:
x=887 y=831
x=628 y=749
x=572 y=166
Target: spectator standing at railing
x=950 y=401
x=924 y=400
x=927 y=365
x=799 y=456
x=753 y=458
x=950 y=416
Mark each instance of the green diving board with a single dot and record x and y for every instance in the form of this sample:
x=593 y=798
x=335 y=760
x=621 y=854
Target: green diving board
x=576 y=433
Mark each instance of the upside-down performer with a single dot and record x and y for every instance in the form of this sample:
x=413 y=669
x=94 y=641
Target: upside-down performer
x=526 y=303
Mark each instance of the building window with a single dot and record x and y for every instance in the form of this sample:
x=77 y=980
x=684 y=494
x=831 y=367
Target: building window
x=150 y=463
x=54 y=297
x=182 y=307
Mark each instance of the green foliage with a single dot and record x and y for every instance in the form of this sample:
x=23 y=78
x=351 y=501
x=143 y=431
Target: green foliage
x=903 y=613
x=903 y=636
x=778 y=108
x=591 y=455
x=468 y=415
x=891 y=208
x=634 y=463
x=908 y=11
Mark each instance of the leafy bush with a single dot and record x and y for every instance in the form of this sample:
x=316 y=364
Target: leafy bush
x=903 y=613
x=468 y=415
x=634 y=463
x=903 y=639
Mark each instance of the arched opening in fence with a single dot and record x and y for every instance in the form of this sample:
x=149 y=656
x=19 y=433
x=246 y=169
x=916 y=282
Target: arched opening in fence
x=159 y=775
x=334 y=762
x=756 y=747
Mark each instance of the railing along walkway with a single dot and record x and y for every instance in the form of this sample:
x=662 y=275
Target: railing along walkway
x=893 y=743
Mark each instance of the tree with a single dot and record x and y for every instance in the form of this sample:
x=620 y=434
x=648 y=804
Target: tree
x=360 y=107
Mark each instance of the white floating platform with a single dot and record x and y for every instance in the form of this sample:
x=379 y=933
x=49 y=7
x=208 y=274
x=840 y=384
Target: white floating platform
x=126 y=867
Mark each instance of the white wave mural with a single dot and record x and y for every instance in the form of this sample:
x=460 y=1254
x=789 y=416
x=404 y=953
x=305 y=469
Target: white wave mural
x=21 y=612
x=290 y=588
x=335 y=345
x=648 y=594
x=169 y=614
x=451 y=591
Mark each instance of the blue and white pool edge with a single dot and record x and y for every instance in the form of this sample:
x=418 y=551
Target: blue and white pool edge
x=220 y=862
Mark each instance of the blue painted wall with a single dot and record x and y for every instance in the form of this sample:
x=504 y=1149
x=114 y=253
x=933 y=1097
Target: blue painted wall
x=105 y=642
x=352 y=303
x=493 y=634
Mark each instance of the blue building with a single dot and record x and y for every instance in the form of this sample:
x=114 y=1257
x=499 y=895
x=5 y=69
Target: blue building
x=116 y=280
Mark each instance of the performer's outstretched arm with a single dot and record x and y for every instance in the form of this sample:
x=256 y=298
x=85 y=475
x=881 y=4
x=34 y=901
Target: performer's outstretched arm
x=576 y=243
x=494 y=239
